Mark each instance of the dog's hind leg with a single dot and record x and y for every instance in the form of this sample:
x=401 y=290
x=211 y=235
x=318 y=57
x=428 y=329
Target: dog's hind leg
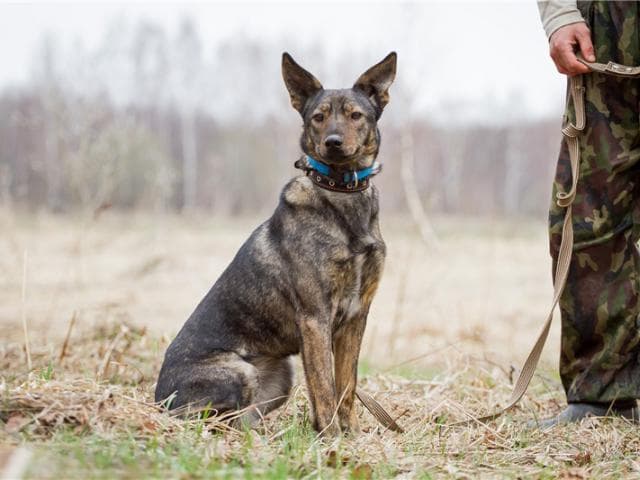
x=223 y=381
x=275 y=377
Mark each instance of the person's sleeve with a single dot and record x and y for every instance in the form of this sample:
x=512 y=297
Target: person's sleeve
x=558 y=13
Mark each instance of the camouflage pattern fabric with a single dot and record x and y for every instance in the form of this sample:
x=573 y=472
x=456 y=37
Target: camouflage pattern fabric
x=600 y=349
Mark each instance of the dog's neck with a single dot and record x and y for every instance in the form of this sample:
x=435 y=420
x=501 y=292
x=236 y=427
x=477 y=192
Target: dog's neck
x=359 y=163
x=348 y=178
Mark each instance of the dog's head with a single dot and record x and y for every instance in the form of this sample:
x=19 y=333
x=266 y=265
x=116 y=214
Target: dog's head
x=340 y=126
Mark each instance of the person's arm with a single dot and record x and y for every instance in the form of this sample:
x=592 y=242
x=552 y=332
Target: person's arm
x=566 y=30
x=558 y=13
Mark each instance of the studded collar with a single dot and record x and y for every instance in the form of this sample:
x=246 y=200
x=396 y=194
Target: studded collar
x=325 y=177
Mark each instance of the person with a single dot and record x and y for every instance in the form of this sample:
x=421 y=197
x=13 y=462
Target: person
x=600 y=305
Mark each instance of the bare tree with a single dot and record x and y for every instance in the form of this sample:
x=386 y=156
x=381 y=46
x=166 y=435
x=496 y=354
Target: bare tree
x=50 y=96
x=188 y=58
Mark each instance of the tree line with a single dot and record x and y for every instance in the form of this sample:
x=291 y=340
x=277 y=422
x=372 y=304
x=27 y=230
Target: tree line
x=149 y=121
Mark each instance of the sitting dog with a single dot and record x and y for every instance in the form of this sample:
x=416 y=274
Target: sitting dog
x=304 y=280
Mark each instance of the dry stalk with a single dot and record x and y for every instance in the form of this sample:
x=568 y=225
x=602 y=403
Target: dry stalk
x=416 y=209
x=63 y=351
x=24 y=310
x=107 y=356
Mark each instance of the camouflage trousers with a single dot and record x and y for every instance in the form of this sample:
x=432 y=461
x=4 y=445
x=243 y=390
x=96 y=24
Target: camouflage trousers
x=600 y=306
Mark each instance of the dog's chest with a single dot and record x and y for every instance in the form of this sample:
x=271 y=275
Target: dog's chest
x=354 y=277
x=350 y=301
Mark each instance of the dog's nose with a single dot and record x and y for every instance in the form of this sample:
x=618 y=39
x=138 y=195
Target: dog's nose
x=333 y=141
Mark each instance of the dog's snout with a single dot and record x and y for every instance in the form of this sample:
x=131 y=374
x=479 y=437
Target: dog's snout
x=333 y=141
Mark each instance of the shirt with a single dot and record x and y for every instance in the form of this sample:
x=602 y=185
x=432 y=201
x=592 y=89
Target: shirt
x=558 y=13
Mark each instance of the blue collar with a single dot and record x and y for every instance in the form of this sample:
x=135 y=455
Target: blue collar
x=354 y=176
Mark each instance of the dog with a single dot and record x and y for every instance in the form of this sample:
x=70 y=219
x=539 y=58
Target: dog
x=304 y=280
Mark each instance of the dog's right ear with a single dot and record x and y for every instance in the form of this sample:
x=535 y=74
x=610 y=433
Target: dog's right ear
x=300 y=83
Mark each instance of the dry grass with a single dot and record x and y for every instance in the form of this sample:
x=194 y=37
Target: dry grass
x=85 y=409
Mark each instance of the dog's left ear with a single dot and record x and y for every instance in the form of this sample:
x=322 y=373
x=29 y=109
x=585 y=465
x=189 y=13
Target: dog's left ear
x=376 y=81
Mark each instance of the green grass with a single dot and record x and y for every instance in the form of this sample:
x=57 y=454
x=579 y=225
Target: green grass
x=194 y=454
x=46 y=373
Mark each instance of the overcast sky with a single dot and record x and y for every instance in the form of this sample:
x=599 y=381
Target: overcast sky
x=485 y=57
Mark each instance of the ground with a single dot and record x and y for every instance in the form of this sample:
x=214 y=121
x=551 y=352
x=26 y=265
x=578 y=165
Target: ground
x=102 y=297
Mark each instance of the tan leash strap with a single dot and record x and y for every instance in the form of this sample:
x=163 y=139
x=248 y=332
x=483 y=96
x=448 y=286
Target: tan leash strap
x=378 y=411
x=611 y=68
x=563 y=199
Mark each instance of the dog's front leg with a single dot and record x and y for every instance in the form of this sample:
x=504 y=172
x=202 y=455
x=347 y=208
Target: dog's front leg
x=347 y=341
x=316 y=358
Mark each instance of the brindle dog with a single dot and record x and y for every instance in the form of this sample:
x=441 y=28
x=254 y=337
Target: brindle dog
x=304 y=280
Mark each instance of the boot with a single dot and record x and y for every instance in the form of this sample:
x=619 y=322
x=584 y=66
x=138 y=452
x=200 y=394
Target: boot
x=577 y=411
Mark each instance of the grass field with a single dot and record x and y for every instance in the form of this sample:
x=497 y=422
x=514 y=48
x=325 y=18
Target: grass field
x=102 y=298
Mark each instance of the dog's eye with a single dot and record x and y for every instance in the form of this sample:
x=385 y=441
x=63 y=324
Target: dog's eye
x=356 y=115
x=318 y=117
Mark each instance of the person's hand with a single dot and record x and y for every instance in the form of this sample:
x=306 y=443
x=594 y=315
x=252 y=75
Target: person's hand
x=563 y=44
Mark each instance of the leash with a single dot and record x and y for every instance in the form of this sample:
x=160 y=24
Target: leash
x=378 y=411
x=611 y=68
x=571 y=132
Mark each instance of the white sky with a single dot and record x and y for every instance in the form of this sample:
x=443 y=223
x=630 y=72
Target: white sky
x=487 y=58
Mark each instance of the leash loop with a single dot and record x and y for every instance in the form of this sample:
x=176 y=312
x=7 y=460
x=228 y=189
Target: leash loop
x=571 y=132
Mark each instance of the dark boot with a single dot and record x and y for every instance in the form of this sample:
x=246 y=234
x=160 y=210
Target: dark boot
x=577 y=411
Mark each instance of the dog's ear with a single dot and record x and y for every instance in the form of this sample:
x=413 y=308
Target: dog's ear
x=376 y=81
x=300 y=83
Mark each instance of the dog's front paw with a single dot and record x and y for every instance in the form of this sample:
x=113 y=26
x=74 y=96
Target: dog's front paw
x=327 y=429
x=351 y=425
